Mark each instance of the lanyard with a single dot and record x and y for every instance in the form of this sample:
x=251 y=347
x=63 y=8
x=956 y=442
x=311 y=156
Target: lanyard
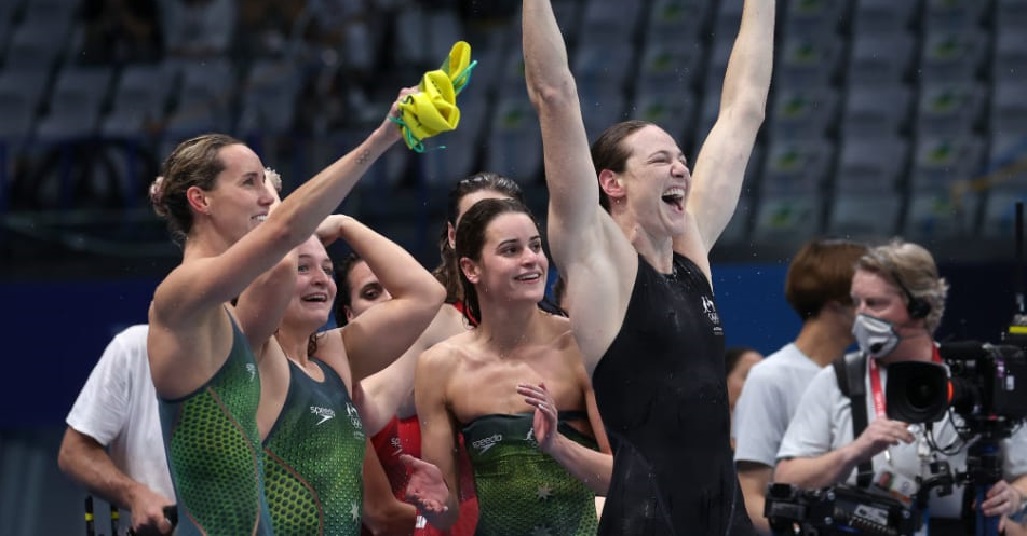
x=875 y=383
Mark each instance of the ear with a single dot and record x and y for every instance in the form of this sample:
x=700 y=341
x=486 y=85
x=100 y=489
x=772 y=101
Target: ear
x=197 y=199
x=451 y=235
x=470 y=270
x=612 y=184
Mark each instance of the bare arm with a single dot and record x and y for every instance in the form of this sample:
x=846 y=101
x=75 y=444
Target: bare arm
x=86 y=461
x=386 y=391
x=262 y=305
x=570 y=175
x=1005 y=498
x=438 y=432
x=817 y=471
x=200 y=286
x=589 y=466
x=720 y=166
x=754 y=479
x=835 y=466
x=376 y=338
x=383 y=513
x=586 y=244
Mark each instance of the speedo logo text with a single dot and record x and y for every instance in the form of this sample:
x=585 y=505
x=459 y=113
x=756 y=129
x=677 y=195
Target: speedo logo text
x=325 y=413
x=485 y=443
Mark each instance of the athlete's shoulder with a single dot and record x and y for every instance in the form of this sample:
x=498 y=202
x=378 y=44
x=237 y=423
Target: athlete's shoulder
x=448 y=352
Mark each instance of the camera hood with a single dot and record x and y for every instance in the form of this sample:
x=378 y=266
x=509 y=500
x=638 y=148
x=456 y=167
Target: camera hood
x=918 y=391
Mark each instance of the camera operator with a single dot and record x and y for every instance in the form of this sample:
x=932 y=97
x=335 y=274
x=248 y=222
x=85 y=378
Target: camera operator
x=817 y=288
x=899 y=302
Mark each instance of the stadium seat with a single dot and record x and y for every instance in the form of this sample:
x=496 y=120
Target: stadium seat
x=797 y=166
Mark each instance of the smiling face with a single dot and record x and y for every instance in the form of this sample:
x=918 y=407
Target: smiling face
x=315 y=287
x=653 y=189
x=240 y=199
x=365 y=290
x=512 y=266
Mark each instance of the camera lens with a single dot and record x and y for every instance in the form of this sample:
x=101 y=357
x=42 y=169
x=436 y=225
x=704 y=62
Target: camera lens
x=920 y=394
x=917 y=391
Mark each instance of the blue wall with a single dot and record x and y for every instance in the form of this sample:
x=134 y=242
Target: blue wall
x=55 y=331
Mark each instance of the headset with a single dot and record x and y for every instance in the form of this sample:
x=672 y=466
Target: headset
x=916 y=307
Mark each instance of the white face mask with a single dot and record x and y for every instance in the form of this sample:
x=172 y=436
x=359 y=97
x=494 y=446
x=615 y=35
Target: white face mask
x=876 y=337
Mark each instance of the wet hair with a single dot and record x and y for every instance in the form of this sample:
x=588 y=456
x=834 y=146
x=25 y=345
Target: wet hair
x=913 y=272
x=342 y=295
x=194 y=162
x=448 y=270
x=609 y=152
x=470 y=241
x=733 y=355
x=821 y=272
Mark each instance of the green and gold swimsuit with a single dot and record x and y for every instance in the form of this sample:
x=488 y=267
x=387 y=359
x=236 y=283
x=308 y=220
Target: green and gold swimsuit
x=521 y=490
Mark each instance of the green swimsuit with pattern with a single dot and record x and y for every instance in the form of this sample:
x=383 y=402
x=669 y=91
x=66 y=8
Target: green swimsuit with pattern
x=314 y=458
x=213 y=450
x=521 y=490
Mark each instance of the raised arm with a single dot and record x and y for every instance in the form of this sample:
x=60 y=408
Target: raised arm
x=206 y=283
x=376 y=338
x=261 y=306
x=589 y=248
x=387 y=391
x=720 y=167
x=574 y=209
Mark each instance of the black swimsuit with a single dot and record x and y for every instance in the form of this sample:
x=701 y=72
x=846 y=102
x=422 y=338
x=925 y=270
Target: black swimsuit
x=662 y=393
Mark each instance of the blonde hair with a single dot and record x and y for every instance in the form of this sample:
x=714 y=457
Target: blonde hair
x=911 y=268
x=274 y=178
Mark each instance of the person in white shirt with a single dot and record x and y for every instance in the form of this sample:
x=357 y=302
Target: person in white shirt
x=817 y=288
x=113 y=444
x=899 y=300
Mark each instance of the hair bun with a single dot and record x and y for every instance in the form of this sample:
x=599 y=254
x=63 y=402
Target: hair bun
x=274 y=178
x=157 y=195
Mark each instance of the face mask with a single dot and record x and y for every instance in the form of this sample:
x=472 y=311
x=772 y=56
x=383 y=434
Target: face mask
x=876 y=337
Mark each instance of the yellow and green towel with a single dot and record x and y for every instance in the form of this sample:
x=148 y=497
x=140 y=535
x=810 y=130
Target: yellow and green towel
x=433 y=110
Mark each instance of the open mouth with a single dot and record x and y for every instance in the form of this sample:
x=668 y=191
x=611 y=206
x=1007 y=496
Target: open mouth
x=261 y=219
x=315 y=298
x=675 y=197
x=534 y=276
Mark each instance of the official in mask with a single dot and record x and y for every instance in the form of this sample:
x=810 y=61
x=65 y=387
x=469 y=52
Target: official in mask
x=899 y=300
